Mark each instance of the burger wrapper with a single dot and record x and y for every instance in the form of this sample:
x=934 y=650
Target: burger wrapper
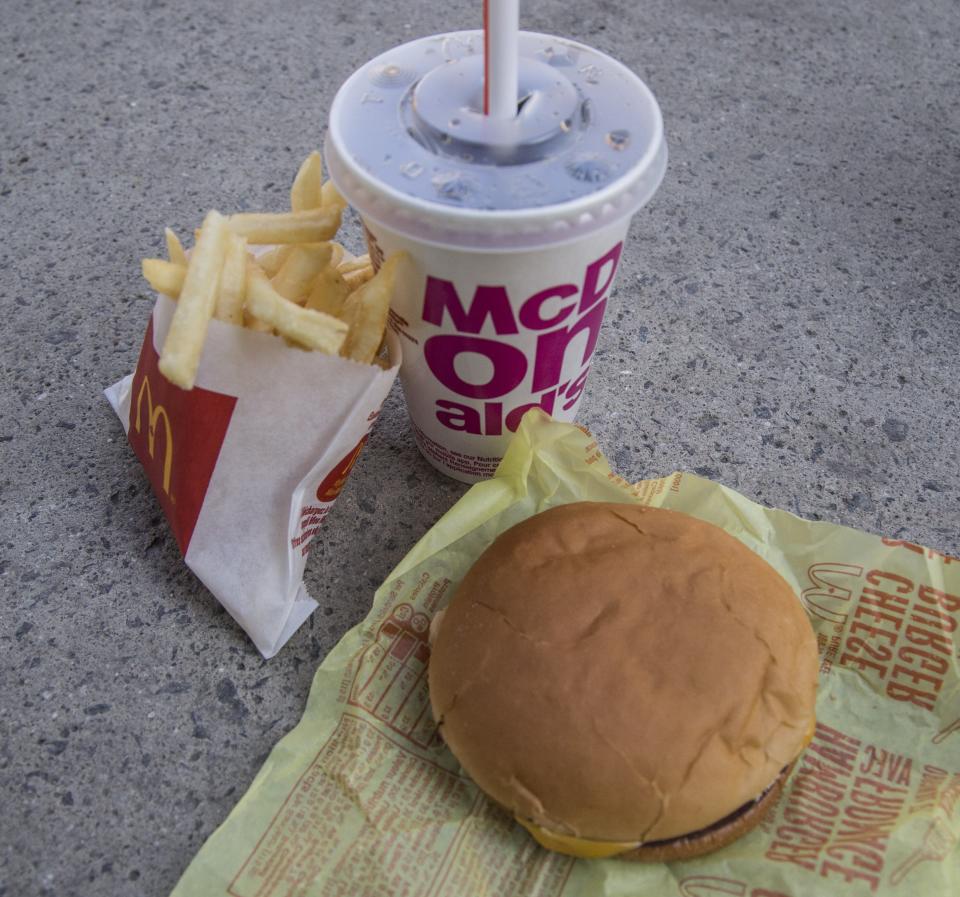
x=247 y=464
x=362 y=798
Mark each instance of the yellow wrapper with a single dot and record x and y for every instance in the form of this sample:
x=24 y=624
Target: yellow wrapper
x=362 y=798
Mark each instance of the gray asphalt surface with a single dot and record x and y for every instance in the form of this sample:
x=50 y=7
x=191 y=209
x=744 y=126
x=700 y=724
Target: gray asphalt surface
x=786 y=321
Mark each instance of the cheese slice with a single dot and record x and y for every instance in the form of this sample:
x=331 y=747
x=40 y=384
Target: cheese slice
x=578 y=847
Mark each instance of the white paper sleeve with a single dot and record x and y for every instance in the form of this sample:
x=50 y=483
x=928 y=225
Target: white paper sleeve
x=248 y=463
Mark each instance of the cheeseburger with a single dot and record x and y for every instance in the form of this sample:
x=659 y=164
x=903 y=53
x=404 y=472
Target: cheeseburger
x=626 y=681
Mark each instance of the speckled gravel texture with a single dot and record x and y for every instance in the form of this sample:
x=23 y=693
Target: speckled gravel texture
x=786 y=321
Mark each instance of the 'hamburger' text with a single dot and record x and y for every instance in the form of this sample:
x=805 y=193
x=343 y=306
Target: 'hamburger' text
x=844 y=802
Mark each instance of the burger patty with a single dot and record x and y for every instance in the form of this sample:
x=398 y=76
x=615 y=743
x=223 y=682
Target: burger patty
x=730 y=817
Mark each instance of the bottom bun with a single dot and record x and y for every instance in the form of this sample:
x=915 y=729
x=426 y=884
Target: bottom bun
x=715 y=836
x=684 y=847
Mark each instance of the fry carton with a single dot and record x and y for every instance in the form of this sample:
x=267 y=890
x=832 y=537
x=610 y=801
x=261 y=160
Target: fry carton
x=248 y=463
x=363 y=798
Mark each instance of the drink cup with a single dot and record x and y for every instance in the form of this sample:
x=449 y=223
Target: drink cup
x=514 y=227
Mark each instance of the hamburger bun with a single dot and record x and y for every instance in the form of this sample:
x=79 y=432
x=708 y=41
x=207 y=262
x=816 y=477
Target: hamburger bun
x=625 y=680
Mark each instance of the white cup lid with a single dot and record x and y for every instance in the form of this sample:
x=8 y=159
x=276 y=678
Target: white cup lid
x=409 y=146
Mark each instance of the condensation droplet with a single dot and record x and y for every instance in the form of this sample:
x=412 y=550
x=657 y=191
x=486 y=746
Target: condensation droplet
x=591 y=73
x=618 y=140
x=566 y=125
x=451 y=186
x=411 y=170
x=586 y=112
x=559 y=57
x=589 y=170
x=454 y=122
x=454 y=47
x=390 y=75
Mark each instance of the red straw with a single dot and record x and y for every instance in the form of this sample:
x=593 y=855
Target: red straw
x=501 y=29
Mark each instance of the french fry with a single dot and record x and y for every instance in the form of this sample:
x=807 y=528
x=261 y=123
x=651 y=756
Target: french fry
x=331 y=198
x=183 y=346
x=233 y=281
x=175 y=248
x=272 y=260
x=355 y=264
x=356 y=279
x=312 y=226
x=366 y=312
x=300 y=270
x=165 y=277
x=329 y=292
x=305 y=192
x=311 y=329
x=255 y=324
x=301 y=288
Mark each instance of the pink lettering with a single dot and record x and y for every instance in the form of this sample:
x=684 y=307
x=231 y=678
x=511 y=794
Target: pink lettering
x=492 y=302
x=552 y=347
x=553 y=318
x=531 y=314
x=509 y=364
x=493 y=415
x=592 y=293
x=458 y=417
x=575 y=389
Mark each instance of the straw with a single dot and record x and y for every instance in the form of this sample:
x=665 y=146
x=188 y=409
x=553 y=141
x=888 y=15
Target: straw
x=501 y=25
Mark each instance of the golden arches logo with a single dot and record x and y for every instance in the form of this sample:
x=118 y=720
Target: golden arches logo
x=830 y=593
x=154 y=414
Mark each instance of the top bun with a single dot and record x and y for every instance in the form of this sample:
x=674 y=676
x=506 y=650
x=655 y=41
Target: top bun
x=623 y=673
